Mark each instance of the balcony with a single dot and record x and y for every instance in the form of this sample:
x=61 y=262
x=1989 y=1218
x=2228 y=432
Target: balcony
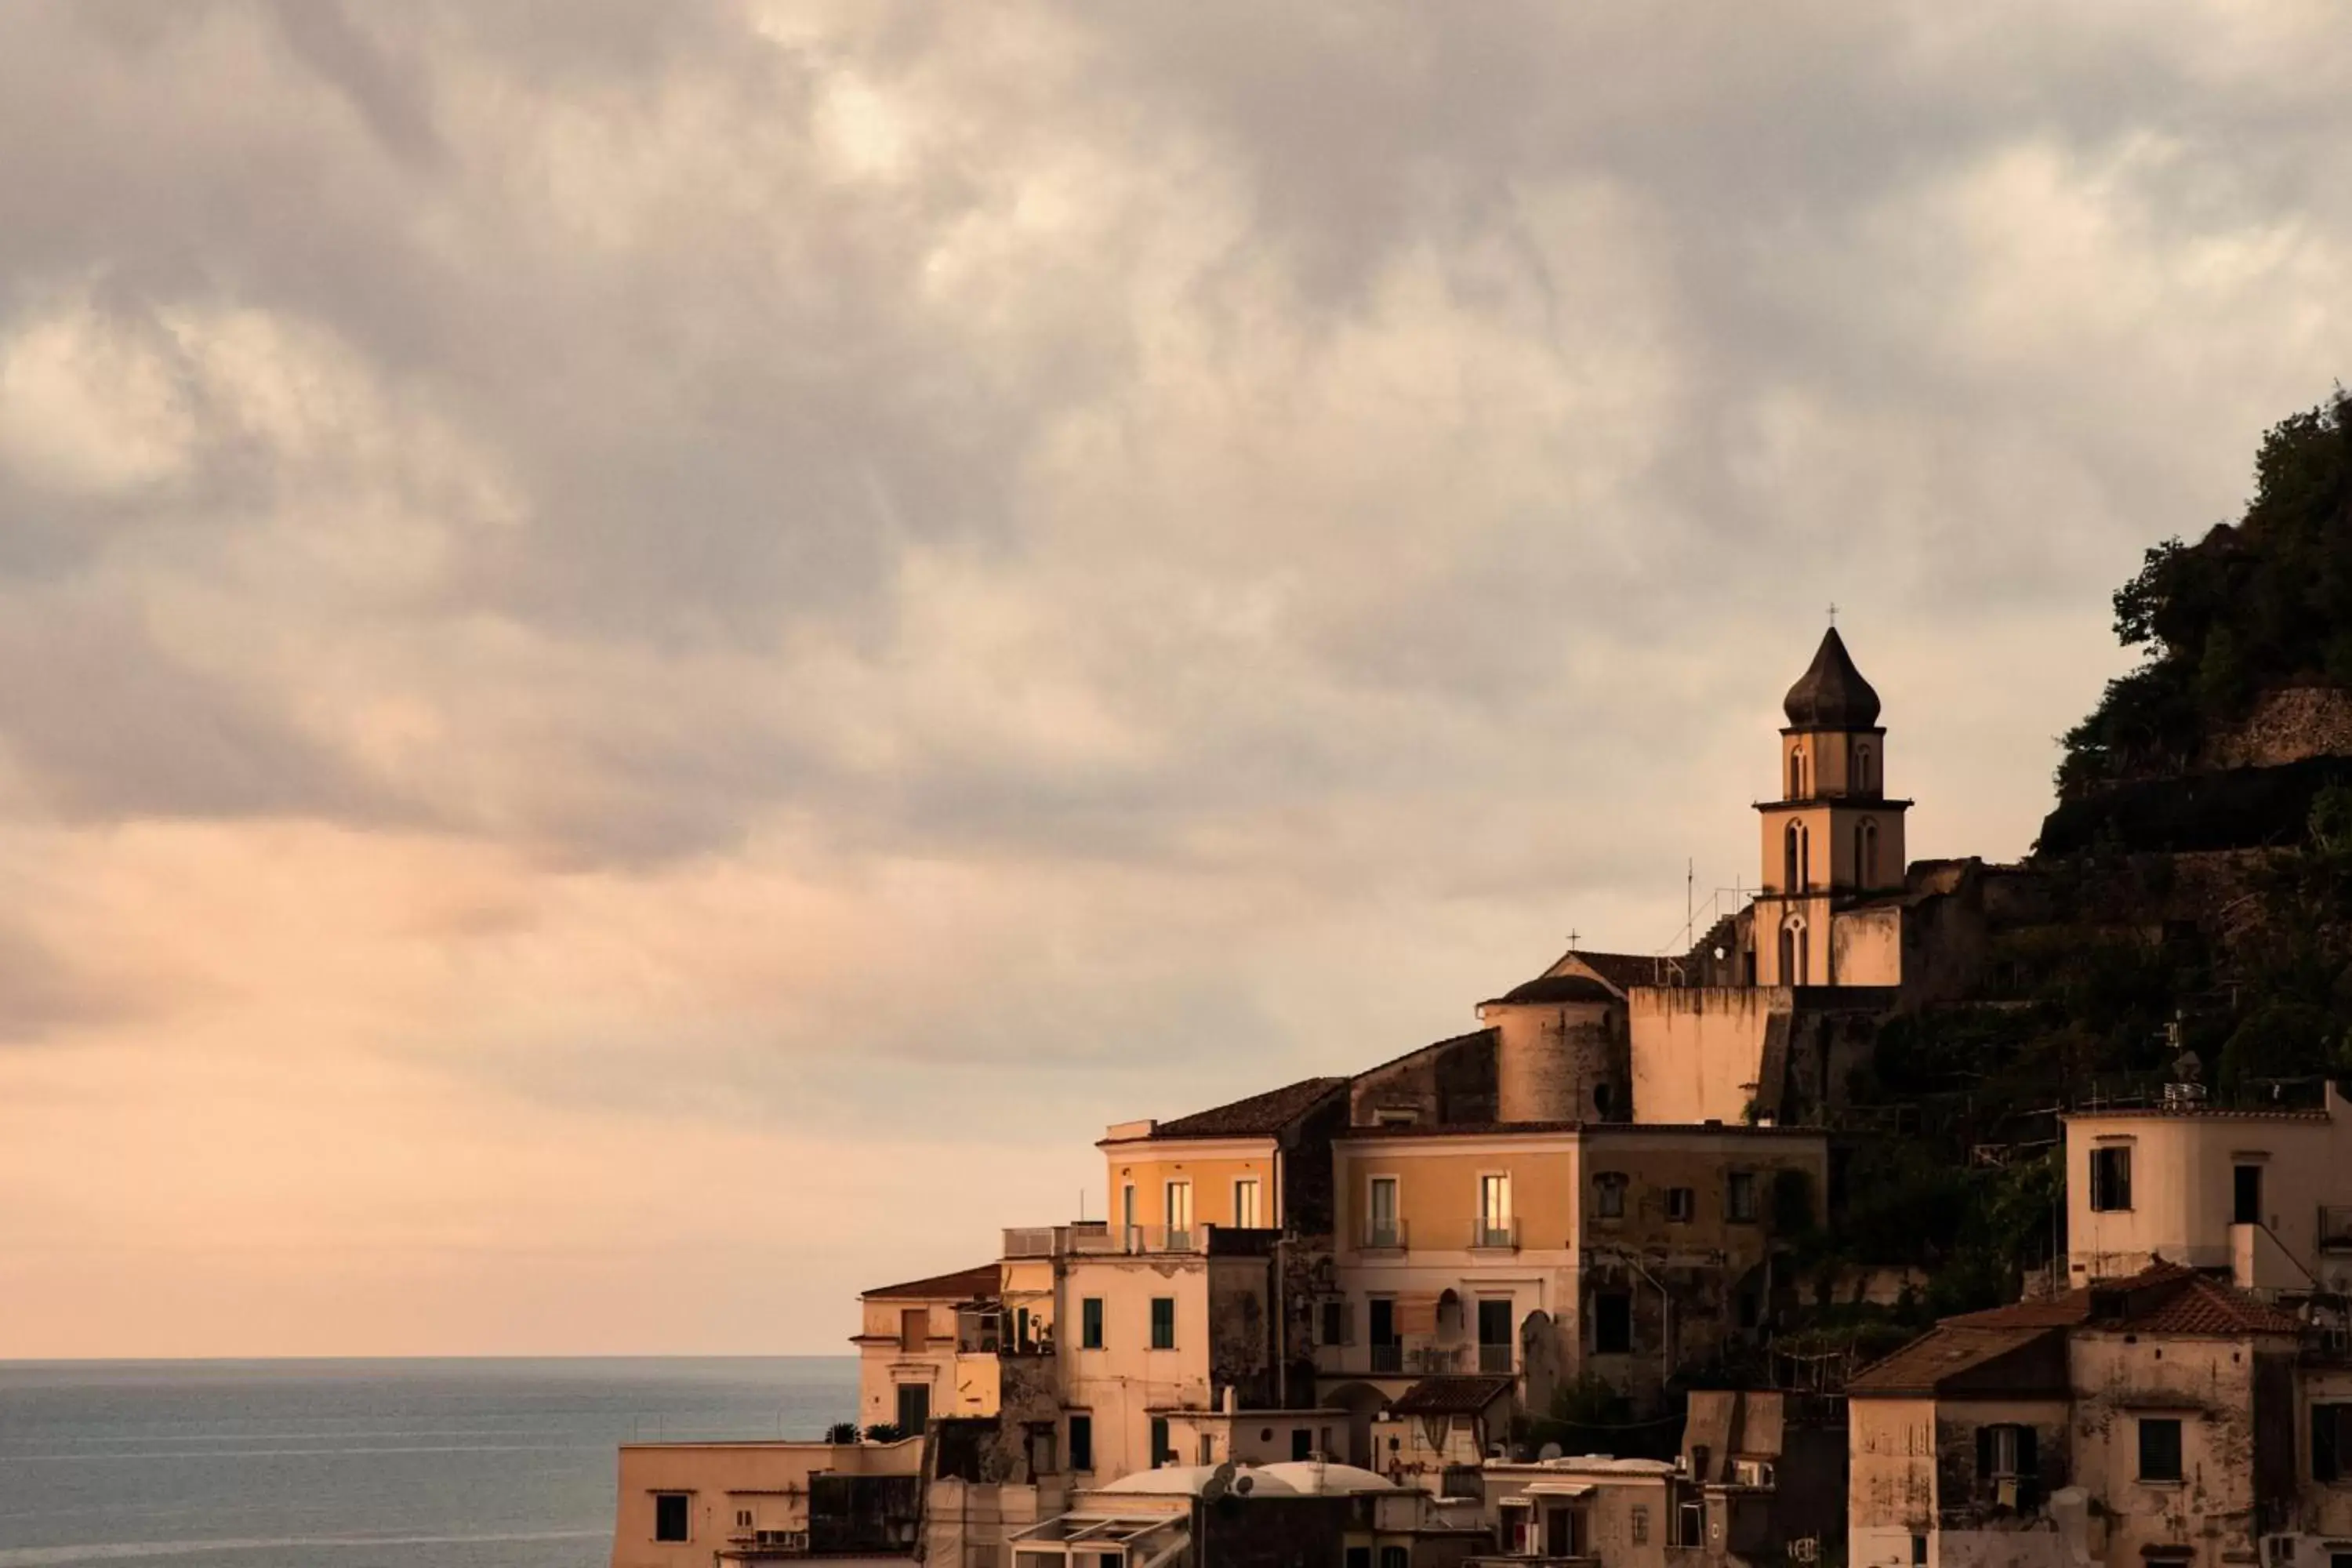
x=1496 y=1358
x=1383 y=1234
x=1489 y=1233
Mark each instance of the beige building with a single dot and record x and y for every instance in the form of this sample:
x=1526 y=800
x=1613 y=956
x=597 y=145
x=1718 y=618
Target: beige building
x=2261 y=1196
x=1592 y=1509
x=1541 y=1252
x=2151 y=1419
x=930 y=1347
x=690 y=1505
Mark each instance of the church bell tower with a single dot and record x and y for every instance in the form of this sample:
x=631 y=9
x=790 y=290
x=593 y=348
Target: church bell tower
x=1833 y=839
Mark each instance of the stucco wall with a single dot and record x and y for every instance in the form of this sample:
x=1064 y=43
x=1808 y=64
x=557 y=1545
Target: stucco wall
x=2182 y=1188
x=770 y=1480
x=1122 y=1382
x=1866 y=947
x=1212 y=1168
x=1698 y=1051
x=1557 y=1063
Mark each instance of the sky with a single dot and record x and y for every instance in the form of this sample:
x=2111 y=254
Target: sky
x=652 y=656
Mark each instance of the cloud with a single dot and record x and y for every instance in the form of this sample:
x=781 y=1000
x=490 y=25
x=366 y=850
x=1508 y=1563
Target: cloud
x=850 y=583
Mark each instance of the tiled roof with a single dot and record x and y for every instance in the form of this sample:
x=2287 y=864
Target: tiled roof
x=1561 y=988
x=1452 y=1396
x=1261 y=1115
x=1590 y=1129
x=2163 y=1298
x=1623 y=970
x=965 y=1284
x=1943 y=1352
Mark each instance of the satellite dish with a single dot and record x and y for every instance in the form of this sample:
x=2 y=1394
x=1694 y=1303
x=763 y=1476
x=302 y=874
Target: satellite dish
x=1548 y=1451
x=1220 y=1481
x=1242 y=1487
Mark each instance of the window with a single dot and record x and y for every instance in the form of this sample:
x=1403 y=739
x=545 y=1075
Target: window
x=1739 y=1196
x=742 y=1519
x=1388 y=1350
x=2159 y=1448
x=1494 y=1210
x=914 y=1408
x=1796 y=774
x=914 y=1329
x=1127 y=1214
x=1302 y=1442
x=1494 y=1335
x=1861 y=777
x=1690 y=1525
x=1179 y=1216
x=1613 y=1322
x=2331 y=1442
x=2111 y=1178
x=1246 y=1209
x=1866 y=852
x=1682 y=1205
x=1041 y=1449
x=1082 y=1442
x=1359 y=1557
x=1641 y=1525
x=1395 y=1557
x=1380 y=1216
x=1090 y=1323
x=1609 y=1188
x=2006 y=1452
x=1338 y=1323
x=1792 y=859
x=1918 y=1552
x=1161 y=1453
x=2246 y=1194
x=670 y=1516
x=1163 y=1322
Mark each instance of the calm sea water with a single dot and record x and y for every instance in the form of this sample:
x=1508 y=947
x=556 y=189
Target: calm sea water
x=363 y=1463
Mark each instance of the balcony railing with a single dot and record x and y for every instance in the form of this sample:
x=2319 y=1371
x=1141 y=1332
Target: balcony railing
x=1142 y=1238
x=1383 y=1235
x=1495 y=1359
x=1388 y=1358
x=1492 y=1235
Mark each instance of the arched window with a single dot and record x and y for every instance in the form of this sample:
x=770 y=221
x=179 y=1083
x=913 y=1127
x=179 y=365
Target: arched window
x=1797 y=773
x=1793 y=867
x=1866 y=852
x=1861 y=777
x=1794 y=952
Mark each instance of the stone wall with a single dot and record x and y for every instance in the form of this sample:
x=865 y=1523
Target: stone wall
x=2286 y=726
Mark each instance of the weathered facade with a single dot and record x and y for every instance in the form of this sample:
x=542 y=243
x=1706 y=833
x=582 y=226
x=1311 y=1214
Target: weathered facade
x=2151 y=1419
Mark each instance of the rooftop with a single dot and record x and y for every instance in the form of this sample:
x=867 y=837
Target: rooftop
x=1831 y=693
x=1452 y=1396
x=1587 y=1129
x=964 y=1285
x=2164 y=1299
x=1259 y=1116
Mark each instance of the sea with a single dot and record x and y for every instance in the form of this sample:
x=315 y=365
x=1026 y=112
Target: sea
x=364 y=1464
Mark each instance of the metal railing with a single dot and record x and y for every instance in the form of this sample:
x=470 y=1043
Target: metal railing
x=1495 y=1358
x=1388 y=1358
x=1490 y=1233
x=1383 y=1235
x=1142 y=1238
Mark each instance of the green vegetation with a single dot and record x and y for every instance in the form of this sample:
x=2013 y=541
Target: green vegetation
x=2265 y=603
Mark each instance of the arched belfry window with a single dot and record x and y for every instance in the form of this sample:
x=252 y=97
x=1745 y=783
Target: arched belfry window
x=1863 y=782
x=1792 y=869
x=1797 y=773
x=1866 y=852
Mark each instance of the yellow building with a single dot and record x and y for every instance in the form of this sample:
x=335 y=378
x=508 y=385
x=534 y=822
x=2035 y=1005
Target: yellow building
x=928 y=1348
x=1540 y=1252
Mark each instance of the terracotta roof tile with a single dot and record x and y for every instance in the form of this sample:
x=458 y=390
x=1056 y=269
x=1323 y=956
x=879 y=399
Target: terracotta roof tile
x=1942 y=1353
x=1452 y=1396
x=977 y=1283
x=1261 y=1115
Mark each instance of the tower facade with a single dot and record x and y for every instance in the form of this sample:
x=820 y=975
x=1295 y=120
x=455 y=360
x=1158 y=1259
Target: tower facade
x=1833 y=840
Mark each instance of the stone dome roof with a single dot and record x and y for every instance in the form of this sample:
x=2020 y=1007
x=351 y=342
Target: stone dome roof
x=1831 y=693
